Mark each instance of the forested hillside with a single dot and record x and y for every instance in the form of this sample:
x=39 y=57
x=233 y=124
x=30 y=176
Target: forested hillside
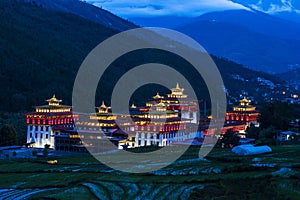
x=42 y=49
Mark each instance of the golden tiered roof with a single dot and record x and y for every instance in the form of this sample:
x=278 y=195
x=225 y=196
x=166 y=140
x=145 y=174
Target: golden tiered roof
x=157 y=96
x=177 y=89
x=54 y=106
x=245 y=101
x=161 y=104
x=244 y=105
x=104 y=114
x=103 y=108
x=177 y=92
x=53 y=101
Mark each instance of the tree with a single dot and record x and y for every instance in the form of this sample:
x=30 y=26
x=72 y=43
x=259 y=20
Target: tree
x=230 y=139
x=252 y=131
x=34 y=152
x=278 y=114
x=45 y=152
x=8 y=136
x=267 y=136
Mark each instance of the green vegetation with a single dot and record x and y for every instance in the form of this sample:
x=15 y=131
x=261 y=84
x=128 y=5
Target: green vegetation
x=34 y=153
x=43 y=49
x=17 y=121
x=221 y=175
x=275 y=117
x=248 y=188
x=252 y=131
x=278 y=114
x=8 y=136
x=41 y=53
x=267 y=136
x=229 y=139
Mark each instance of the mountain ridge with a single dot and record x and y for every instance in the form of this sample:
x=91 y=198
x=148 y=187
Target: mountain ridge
x=255 y=50
x=257 y=21
x=287 y=9
x=259 y=41
x=85 y=10
x=42 y=49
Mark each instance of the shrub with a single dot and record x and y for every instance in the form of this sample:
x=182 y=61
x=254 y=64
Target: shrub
x=45 y=152
x=34 y=152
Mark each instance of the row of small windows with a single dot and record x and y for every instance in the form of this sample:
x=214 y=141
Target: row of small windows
x=151 y=143
x=50 y=121
x=53 y=110
x=47 y=128
x=161 y=128
x=41 y=135
x=43 y=128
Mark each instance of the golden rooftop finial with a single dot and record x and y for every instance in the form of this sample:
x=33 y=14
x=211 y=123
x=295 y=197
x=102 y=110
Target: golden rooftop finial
x=53 y=101
x=103 y=105
x=161 y=103
x=245 y=100
x=157 y=96
x=177 y=89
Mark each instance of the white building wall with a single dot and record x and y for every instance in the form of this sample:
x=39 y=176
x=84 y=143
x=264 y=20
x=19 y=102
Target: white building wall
x=190 y=115
x=41 y=135
x=163 y=139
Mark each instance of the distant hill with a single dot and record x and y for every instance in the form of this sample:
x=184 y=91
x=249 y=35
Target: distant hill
x=292 y=16
x=256 y=40
x=41 y=50
x=284 y=9
x=257 y=21
x=171 y=22
x=292 y=77
x=85 y=10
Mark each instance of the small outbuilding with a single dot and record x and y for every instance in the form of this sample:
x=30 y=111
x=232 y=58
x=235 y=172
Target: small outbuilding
x=249 y=149
x=286 y=136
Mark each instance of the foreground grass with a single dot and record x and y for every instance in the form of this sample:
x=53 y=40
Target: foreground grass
x=222 y=174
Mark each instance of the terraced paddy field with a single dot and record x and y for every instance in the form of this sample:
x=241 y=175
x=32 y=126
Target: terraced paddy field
x=220 y=175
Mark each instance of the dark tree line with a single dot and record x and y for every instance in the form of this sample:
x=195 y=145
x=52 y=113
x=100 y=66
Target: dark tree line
x=274 y=118
x=8 y=136
x=278 y=114
x=229 y=139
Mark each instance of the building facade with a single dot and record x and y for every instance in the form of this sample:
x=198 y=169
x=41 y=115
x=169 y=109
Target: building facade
x=40 y=124
x=244 y=112
x=164 y=120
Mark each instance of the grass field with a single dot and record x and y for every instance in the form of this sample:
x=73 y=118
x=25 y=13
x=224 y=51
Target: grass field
x=221 y=175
